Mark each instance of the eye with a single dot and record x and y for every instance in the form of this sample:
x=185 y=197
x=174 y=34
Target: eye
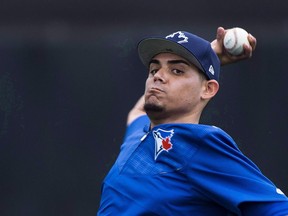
x=177 y=71
x=153 y=71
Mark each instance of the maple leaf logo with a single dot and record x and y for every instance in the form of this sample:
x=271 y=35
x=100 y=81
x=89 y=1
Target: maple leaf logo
x=166 y=144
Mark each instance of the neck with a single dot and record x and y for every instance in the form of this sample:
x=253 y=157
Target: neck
x=188 y=119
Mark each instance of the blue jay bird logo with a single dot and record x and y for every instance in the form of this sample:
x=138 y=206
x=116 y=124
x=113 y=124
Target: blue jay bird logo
x=162 y=141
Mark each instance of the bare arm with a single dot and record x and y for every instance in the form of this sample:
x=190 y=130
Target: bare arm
x=136 y=111
x=225 y=58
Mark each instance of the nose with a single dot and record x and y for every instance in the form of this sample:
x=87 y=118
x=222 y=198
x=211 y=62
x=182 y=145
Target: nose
x=160 y=76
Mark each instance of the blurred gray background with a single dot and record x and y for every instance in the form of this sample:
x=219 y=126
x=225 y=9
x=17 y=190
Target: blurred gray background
x=69 y=73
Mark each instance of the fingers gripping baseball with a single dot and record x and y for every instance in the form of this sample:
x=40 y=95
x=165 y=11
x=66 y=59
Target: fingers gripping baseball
x=232 y=45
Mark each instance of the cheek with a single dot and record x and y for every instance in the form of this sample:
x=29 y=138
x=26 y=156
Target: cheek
x=189 y=93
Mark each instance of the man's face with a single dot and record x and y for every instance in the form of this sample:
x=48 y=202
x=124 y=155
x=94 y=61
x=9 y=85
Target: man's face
x=174 y=88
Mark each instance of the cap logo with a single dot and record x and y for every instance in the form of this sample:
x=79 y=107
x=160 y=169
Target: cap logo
x=211 y=70
x=179 y=37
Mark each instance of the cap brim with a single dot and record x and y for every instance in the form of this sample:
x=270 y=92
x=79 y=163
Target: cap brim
x=150 y=47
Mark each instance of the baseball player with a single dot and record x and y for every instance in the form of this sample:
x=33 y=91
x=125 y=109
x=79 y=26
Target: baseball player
x=169 y=164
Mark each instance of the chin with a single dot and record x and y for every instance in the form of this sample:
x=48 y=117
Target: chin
x=149 y=107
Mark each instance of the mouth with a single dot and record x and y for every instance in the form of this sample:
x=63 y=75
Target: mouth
x=154 y=93
x=155 y=90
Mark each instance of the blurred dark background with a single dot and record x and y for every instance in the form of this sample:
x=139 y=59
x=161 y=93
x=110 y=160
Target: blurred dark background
x=69 y=73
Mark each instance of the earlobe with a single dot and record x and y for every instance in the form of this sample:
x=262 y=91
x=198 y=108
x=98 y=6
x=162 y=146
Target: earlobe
x=211 y=89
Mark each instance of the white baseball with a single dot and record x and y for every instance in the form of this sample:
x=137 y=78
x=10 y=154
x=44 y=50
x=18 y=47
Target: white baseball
x=234 y=40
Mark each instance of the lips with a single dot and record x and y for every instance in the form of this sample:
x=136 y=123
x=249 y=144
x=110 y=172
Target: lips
x=155 y=89
x=154 y=92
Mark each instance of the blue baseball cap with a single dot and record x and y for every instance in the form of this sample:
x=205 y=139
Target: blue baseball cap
x=189 y=46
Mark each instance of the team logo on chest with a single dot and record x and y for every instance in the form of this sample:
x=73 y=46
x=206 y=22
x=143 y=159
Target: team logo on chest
x=162 y=141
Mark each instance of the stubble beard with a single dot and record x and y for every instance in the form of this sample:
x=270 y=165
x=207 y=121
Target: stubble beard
x=153 y=108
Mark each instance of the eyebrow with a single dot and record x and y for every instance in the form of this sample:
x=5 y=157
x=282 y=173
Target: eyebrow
x=180 y=61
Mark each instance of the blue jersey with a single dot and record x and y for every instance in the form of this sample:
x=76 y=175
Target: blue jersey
x=183 y=169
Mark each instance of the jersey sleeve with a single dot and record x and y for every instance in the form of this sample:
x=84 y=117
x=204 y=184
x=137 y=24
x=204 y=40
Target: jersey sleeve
x=222 y=172
x=142 y=123
x=264 y=208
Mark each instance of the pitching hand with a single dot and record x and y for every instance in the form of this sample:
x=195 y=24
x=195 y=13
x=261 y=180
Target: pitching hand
x=224 y=56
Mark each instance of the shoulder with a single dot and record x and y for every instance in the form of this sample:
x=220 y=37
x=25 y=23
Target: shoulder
x=209 y=140
x=204 y=132
x=215 y=139
x=204 y=137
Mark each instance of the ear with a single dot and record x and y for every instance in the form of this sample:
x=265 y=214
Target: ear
x=211 y=88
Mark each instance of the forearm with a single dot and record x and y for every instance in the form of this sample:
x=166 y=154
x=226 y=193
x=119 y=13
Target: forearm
x=137 y=110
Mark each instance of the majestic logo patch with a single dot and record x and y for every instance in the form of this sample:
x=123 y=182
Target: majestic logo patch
x=162 y=141
x=180 y=35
